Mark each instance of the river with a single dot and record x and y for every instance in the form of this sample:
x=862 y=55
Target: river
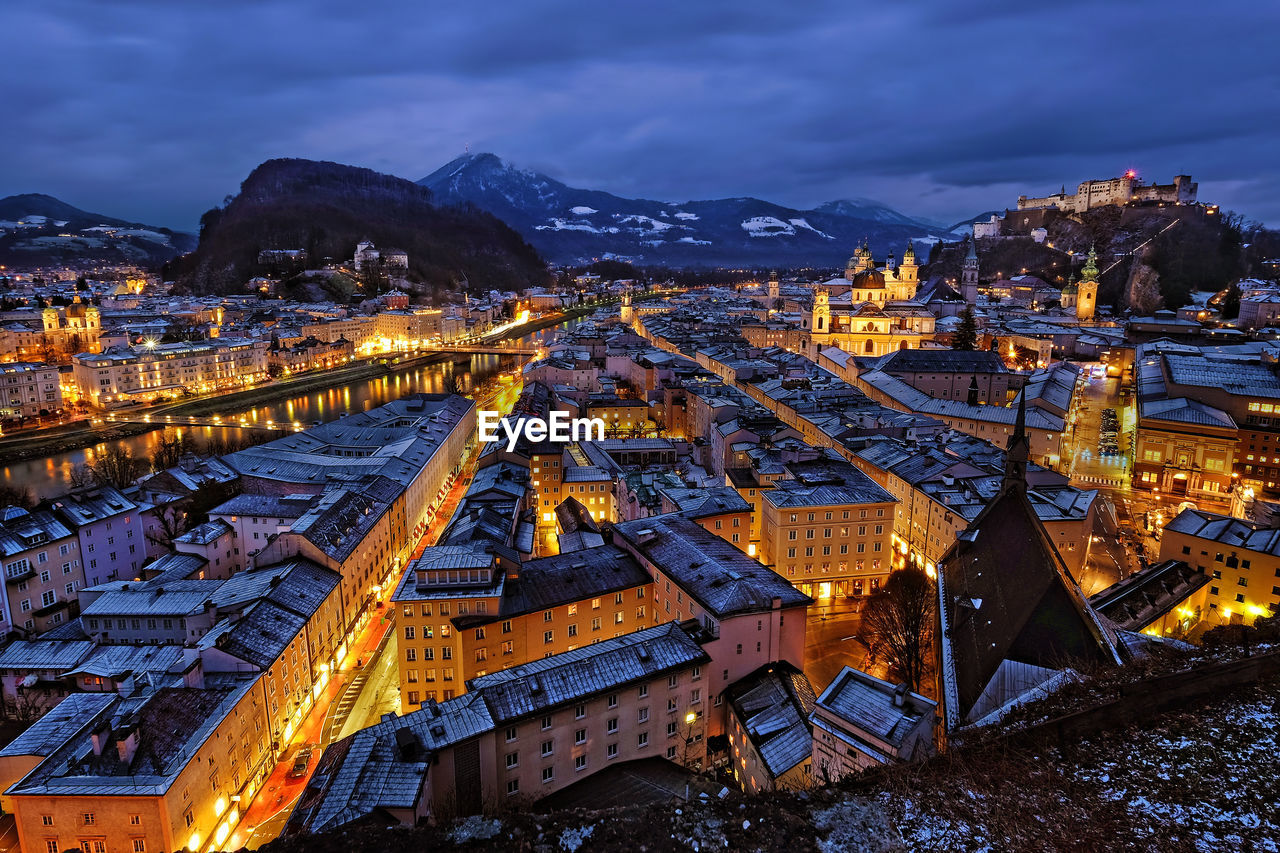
x=51 y=475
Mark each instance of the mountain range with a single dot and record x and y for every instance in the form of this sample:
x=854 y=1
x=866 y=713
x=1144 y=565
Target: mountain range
x=571 y=225
x=40 y=230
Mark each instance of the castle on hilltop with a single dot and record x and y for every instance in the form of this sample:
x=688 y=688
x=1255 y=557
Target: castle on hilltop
x=1126 y=189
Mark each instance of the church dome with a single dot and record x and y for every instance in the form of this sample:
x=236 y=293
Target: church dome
x=869 y=279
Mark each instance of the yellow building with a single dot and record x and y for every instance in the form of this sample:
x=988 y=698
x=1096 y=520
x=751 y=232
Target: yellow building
x=464 y=611
x=1241 y=559
x=163 y=771
x=829 y=538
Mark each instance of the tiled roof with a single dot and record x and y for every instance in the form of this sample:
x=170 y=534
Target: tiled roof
x=720 y=578
x=866 y=703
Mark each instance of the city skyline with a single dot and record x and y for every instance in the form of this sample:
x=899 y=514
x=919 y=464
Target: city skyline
x=936 y=113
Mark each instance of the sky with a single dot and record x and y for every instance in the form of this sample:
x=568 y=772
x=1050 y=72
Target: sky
x=155 y=110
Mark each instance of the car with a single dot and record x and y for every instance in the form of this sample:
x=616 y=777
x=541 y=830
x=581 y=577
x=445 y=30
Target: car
x=300 y=763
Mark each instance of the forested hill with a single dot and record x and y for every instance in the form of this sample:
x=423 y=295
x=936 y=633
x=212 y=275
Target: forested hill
x=327 y=208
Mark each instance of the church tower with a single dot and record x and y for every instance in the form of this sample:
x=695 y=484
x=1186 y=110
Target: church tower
x=969 y=274
x=908 y=274
x=775 y=289
x=1018 y=453
x=627 y=314
x=1087 y=289
x=820 y=322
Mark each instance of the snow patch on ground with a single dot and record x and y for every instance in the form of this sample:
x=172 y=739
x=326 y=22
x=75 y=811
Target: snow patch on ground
x=768 y=226
x=565 y=225
x=582 y=210
x=803 y=223
x=682 y=214
x=927 y=241
x=694 y=241
x=645 y=223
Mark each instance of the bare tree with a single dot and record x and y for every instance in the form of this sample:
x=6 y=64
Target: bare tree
x=81 y=476
x=21 y=496
x=116 y=467
x=900 y=618
x=172 y=446
x=172 y=521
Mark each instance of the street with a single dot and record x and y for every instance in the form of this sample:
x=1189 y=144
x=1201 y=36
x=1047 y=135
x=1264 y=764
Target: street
x=831 y=641
x=367 y=683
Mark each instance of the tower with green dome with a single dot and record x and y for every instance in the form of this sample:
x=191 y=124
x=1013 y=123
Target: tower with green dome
x=1087 y=289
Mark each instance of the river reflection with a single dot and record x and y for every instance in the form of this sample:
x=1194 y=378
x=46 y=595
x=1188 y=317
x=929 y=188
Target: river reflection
x=51 y=475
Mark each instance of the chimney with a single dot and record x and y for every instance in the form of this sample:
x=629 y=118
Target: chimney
x=100 y=737
x=899 y=695
x=127 y=745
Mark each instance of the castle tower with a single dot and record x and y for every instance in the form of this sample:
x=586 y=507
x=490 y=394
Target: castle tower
x=1087 y=289
x=50 y=318
x=775 y=289
x=969 y=274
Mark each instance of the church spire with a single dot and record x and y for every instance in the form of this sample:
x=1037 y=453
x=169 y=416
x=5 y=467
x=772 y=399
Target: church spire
x=1019 y=450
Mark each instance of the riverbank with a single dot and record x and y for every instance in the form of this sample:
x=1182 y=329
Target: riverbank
x=75 y=436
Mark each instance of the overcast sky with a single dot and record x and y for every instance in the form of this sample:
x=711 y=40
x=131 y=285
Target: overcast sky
x=155 y=110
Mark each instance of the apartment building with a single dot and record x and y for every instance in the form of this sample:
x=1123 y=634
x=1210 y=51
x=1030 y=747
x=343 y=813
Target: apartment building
x=1242 y=560
x=830 y=535
x=465 y=612
x=520 y=734
x=143 y=374
x=770 y=740
x=161 y=770
x=42 y=570
x=110 y=528
x=29 y=389
x=861 y=721
x=752 y=615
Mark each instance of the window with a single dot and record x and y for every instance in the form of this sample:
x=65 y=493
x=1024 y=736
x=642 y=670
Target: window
x=513 y=786
x=506 y=626
x=672 y=704
x=573 y=630
x=548 y=746
x=595 y=604
x=573 y=610
x=643 y=715
x=412 y=697
x=579 y=712
x=546 y=616
x=51 y=846
x=672 y=681
x=595 y=622
x=512 y=733
x=90 y=819
x=696 y=674
x=611 y=726
x=580 y=763
x=548 y=774
x=671 y=729
x=46 y=819
x=644 y=690
x=611 y=751
x=409 y=632
x=580 y=737
x=613 y=700
x=548 y=636
x=642 y=740
x=480 y=633
x=546 y=722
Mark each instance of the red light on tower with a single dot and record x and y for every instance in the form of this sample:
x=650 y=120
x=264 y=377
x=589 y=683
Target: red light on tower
x=1131 y=174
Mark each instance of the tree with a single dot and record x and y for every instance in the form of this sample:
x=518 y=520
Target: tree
x=169 y=452
x=116 y=467
x=1231 y=303
x=965 y=337
x=20 y=496
x=900 y=618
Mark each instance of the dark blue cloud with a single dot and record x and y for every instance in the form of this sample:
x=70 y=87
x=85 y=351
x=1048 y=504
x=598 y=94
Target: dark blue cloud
x=156 y=110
